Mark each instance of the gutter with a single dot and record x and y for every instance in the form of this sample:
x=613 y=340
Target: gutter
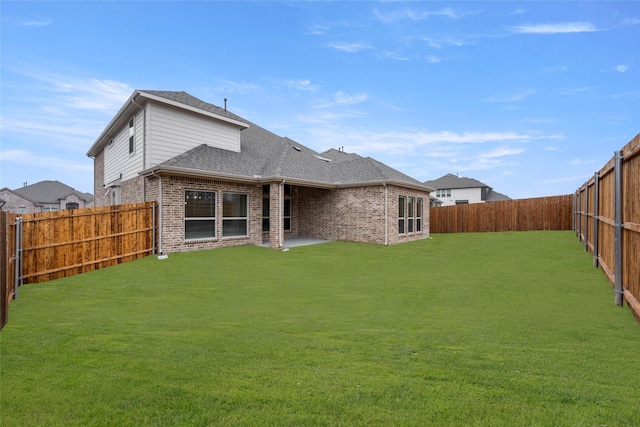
x=386 y=214
x=267 y=179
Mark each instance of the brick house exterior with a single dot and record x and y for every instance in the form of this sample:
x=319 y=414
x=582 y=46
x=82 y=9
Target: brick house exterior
x=228 y=182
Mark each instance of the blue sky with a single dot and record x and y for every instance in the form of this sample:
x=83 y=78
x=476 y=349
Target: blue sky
x=531 y=98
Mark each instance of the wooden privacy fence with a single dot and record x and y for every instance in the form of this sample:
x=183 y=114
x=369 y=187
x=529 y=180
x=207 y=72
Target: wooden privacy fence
x=50 y=245
x=607 y=220
x=541 y=213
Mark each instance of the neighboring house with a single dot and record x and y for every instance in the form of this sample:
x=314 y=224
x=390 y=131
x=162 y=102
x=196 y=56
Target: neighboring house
x=44 y=196
x=220 y=180
x=453 y=190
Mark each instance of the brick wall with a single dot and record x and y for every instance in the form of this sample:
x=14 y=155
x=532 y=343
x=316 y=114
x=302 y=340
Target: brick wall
x=99 y=198
x=173 y=189
x=357 y=214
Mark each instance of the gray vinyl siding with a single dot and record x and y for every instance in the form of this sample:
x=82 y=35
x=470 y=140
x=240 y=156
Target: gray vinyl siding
x=172 y=132
x=118 y=160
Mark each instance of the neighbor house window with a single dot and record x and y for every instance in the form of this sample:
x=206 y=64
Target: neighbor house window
x=402 y=209
x=22 y=209
x=418 y=215
x=199 y=214
x=49 y=209
x=443 y=193
x=235 y=218
x=132 y=144
x=72 y=205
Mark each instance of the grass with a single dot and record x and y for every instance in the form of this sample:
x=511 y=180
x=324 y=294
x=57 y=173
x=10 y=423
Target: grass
x=486 y=329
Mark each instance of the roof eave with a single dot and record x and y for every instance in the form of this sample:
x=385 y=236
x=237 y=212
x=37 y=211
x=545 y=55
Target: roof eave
x=259 y=179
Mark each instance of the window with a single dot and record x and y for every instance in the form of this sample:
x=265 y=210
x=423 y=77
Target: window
x=265 y=214
x=72 y=205
x=443 y=193
x=49 y=209
x=418 y=215
x=22 y=209
x=410 y=214
x=235 y=214
x=401 y=214
x=287 y=214
x=199 y=214
x=132 y=145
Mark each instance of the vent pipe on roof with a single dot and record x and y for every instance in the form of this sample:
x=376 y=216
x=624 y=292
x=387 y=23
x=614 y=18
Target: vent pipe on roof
x=225 y=104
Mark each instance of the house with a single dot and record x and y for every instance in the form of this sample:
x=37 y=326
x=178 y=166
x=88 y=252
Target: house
x=44 y=196
x=454 y=190
x=220 y=180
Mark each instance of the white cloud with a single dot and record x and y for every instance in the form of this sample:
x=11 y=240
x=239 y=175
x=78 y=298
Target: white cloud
x=439 y=43
x=515 y=97
x=519 y=11
x=342 y=98
x=561 y=28
x=302 y=84
x=37 y=22
x=31 y=159
x=413 y=14
x=350 y=47
x=622 y=68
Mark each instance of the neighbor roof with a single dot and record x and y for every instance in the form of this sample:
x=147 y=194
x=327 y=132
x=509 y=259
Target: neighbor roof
x=453 y=181
x=266 y=156
x=50 y=192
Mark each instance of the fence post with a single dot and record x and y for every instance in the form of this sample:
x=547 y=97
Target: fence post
x=586 y=216
x=18 y=262
x=596 y=212
x=617 y=224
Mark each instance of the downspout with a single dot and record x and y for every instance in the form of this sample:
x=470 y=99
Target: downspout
x=386 y=214
x=280 y=209
x=159 y=212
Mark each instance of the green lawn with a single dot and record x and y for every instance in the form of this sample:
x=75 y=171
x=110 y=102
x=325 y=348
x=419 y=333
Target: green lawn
x=486 y=329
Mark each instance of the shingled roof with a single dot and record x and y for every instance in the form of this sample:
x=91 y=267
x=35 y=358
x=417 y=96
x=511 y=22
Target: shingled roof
x=266 y=156
x=454 y=181
x=50 y=192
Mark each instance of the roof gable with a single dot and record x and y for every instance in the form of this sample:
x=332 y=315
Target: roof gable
x=50 y=192
x=453 y=181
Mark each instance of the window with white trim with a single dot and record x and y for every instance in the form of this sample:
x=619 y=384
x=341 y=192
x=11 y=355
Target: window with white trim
x=445 y=192
x=235 y=217
x=132 y=142
x=411 y=206
x=418 y=215
x=199 y=214
x=402 y=209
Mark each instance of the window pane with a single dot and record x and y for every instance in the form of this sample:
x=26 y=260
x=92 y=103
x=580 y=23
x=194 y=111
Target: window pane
x=287 y=207
x=265 y=207
x=199 y=229
x=287 y=224
x=418 y=224
x=265 y=224
x=401 y=226
x=199 y=204
x=410 y=225
x=234 y=205
x=234 y=227
x=410 y=207
x=401 y=207
x=419 y=208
